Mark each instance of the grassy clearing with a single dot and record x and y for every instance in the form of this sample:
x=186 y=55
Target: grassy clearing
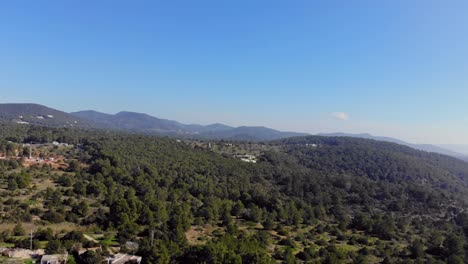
x=5 y=260
x=6 y=245
x=108 y=239
x=200 y=235
x=347 y=248
x=66 y=226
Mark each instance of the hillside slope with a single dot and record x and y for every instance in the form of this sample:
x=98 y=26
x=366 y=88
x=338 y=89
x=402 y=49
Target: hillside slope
x=143 y=123
x=316 y=199
x=424 y=147
x=39 y=115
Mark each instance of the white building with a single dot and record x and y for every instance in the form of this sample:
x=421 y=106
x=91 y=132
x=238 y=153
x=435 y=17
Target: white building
x=124 y=258
x=54 y=259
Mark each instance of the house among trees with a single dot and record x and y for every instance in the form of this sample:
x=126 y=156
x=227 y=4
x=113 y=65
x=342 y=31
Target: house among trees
x=247 y=158
x=131 y=246
x=20 y=253
x=123 y=259
x=54 y=259
x=56 y=143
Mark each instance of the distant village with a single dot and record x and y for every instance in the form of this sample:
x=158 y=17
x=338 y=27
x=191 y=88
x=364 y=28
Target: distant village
x=228 y=149
x=23 y=120
x=249 y=152
x=32 y=154
x=39 y=256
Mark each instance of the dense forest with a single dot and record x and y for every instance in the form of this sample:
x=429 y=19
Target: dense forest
x=307 y=199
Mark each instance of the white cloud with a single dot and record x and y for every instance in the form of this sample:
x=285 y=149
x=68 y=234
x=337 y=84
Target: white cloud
x=340 y=115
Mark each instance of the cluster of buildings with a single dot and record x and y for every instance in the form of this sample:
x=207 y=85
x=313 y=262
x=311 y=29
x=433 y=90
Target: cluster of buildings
x=42 y=258
x=247 y=158
x=123 y=259
x=20 y=120
x=54 y=259
x=20 y=253
x=114 y=259
x=55 y=143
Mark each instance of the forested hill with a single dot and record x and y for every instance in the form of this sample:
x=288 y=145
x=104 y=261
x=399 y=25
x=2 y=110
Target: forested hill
x=308 y=199
x=132 y=122
x=376 y=160
x=36 y=114
x=423 y=147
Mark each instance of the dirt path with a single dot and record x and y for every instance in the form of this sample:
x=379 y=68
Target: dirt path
x=90 y=238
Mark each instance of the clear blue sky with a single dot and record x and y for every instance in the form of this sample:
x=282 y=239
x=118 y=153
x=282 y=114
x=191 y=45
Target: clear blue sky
x=393 y=68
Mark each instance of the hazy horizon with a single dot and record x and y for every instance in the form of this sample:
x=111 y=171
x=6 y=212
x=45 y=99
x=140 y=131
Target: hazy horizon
x=459 y=148
x=395 y=69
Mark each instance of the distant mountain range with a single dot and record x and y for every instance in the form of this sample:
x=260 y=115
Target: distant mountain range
x=460 y=148
x=143 y=123
x=36 y=114
x=424 y=147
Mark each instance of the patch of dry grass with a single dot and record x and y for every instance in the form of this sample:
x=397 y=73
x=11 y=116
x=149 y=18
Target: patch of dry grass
x=65 y=226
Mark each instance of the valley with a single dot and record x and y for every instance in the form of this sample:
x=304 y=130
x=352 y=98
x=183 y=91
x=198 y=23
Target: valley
x=306 y=199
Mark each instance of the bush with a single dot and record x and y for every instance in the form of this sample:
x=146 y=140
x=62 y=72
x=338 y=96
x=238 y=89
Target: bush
x=53 y=217
x=283 y=232
x=321 y=242
x=53 y=247
x=362 y=240
x=287 y=242
x=304 y=256
x=18 y=230
x=44 y=234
